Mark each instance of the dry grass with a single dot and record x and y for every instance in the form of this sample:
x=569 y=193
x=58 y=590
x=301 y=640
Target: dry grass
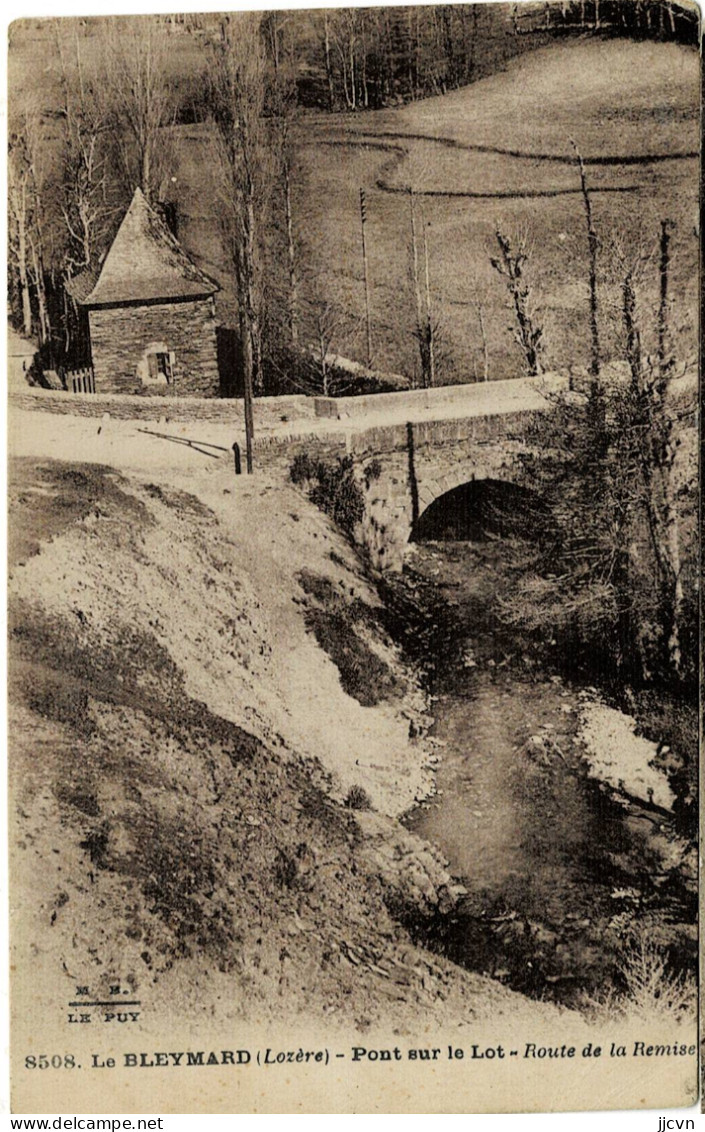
x=621 y=98
x=652 y=992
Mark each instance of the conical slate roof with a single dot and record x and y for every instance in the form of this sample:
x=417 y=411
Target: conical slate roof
x=146 y=263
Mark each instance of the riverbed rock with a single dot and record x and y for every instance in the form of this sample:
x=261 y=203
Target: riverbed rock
x=616 y=755
x=413 y=873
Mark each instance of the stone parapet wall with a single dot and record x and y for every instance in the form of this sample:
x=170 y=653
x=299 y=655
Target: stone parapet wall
x=438 y=455
x=490 y=398
x=269 y=411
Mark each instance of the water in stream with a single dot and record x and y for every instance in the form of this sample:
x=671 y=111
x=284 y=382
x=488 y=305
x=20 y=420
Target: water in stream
x=555 y=869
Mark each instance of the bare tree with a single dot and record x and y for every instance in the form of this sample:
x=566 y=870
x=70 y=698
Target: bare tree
x=352 y=33
x=85 y=199
x=26 y=185
x=138 y=97
x=237 y=69
x=425 y=330
x=593 y=245
x=330 y=323
x=510 y=264
x=650 y=435
x=283 y=116
x=646 y=423
x=21 y=210
x=483 y=334
x=346 y=41
x=631 y=326
x=479 y=308
x=665 y=355
x=329 y=64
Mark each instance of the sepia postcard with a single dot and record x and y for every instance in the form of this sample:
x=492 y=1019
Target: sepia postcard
x=353 y=559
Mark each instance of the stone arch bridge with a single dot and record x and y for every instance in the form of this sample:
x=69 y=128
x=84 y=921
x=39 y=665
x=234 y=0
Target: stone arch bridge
x=426 y=443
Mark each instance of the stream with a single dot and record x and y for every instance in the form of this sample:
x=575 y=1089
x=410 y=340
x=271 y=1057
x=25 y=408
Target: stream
x=557 y=870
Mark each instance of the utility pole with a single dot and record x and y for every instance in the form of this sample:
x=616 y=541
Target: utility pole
x=415 y=265
x=249 y=424
x=429 y=315
x=664 y=362
x=363 y=223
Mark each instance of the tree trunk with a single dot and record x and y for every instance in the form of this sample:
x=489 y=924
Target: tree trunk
x=420 y=319
x=247 y=367
x=329 y=65
x=528 y=337
x=677 y=595
x=429 y=316
x=246 y=339
x=664 y=361
x=145 y=173
x=410 y=53
x=24 y=285
x=18 y=201
x=473 y=43
x=632 y=330
x=44 y=328
x=324 y=364
x=671 y=17
x=485 y=351
x=353 y=80
x=291 y=255
x=592 y=269
x=346 y=92
x=363 y=66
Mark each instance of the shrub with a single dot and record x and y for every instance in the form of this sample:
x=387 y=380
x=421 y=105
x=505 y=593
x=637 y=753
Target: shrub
x=651 y=991
x=286 y=869
x=303 y=468
x=372 y=473
x=357 y=798
x=363 y=675
x=333 y=487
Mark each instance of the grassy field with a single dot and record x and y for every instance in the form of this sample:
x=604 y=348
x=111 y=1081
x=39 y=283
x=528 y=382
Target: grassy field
x=494 y=154
x=634 y=101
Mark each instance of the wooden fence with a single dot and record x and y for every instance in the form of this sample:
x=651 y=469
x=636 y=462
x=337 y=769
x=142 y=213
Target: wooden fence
x=80 y=380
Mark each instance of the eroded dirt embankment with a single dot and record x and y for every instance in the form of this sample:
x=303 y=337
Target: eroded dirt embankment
x=199 y=685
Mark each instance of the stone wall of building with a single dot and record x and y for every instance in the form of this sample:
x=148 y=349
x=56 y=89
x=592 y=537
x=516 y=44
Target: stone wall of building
x=122 y=336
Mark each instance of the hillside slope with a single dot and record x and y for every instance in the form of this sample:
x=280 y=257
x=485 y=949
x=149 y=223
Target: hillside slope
x=175 y=825
x=493 y=154
x=497 y=154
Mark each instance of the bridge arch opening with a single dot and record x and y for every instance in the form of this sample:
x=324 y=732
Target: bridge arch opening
x=480 y=510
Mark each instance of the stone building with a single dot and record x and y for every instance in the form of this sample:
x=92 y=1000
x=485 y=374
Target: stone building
x=150 y=313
